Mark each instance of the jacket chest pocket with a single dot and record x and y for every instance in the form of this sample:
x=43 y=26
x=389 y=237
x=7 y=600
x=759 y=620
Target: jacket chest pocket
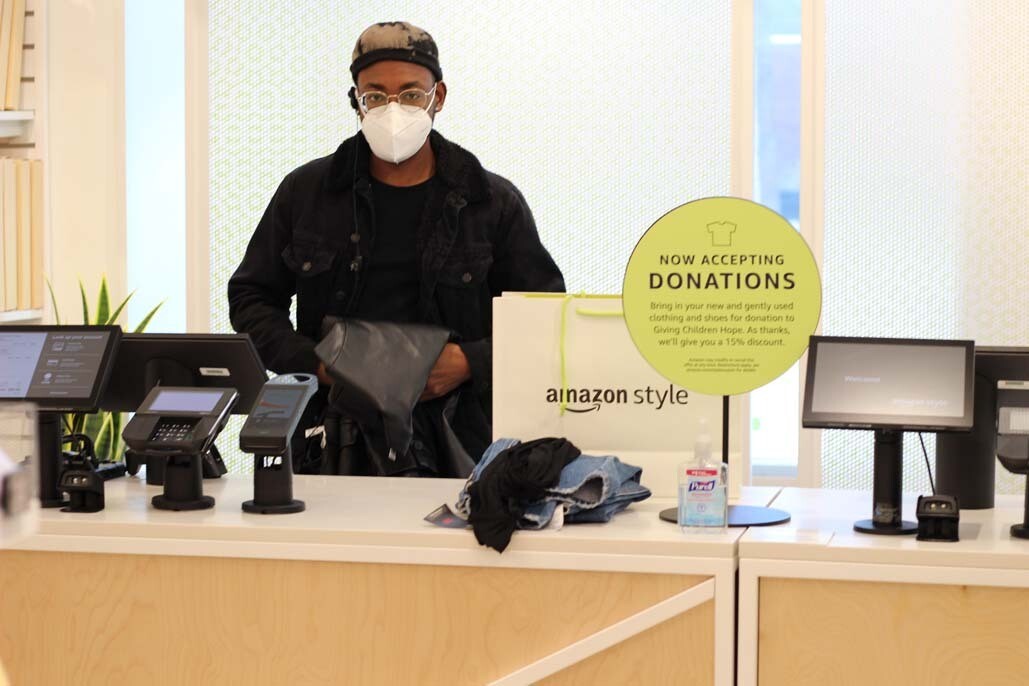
x=463 y=295
x=311 y=261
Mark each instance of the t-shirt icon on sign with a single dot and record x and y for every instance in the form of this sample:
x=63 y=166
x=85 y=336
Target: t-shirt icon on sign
x=721 y=233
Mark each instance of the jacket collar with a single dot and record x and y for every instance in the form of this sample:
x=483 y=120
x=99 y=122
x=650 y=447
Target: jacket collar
x=459 y=169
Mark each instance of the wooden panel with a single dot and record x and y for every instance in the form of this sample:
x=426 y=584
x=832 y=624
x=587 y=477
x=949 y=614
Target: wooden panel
x=28 y=64
x=845 y=632
x=178 y=620
x=654 y=656
x=28 y=96
x=31 y=30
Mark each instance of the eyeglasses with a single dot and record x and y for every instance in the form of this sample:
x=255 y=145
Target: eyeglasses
x=413 y=97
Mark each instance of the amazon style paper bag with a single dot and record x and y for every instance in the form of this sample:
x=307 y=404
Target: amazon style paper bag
x=613 y=401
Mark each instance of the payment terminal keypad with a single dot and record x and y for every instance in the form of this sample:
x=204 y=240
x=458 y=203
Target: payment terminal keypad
x=170 y=431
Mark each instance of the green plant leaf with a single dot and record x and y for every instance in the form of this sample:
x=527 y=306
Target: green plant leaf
x=116 y=420
x=146 y=320
x=53 y=301
x=85 y=305
x=103 y=440
x=78 y=423
x=103 y=303
x=92 y=424
x=113 y=319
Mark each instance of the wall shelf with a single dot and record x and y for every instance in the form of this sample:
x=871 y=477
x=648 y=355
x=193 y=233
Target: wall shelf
x=12 y=316
x=15 y=123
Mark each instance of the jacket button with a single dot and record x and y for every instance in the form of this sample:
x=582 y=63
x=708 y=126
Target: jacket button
x=340 y=295
x=467 y=277
x=355 y=237
x=306 y=266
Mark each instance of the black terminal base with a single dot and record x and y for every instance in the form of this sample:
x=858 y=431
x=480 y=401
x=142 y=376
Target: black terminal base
x=1020 y=530
x=213 y=467
x=903 y=528
x=740 y=515
x=183 y=485
x=204 y=502
x=288 y=508
x=273 y=486
x=85 y=502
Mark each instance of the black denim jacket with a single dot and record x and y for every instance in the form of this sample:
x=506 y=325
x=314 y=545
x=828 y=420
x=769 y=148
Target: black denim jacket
x=477 y=239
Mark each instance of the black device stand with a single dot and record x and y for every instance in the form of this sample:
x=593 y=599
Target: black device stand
x=1019 y=465
x=162 y=371
x=273 y=486
x=183 y=485
x=49 y=424
x=886 y=487
x=212 y=466
x=1022 y=530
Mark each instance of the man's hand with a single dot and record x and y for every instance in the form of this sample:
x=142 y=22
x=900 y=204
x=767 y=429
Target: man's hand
x=323 y=375
x=450 y=371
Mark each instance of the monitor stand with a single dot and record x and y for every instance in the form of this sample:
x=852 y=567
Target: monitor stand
x=1022 y=530
x=49 y=424
x=1015 y=458
x=886 y=488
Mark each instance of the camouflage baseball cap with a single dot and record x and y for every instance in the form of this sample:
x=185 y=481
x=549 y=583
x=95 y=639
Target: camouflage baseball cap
x=395 y=40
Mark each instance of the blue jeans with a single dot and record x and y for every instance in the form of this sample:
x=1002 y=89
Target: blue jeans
x=590 y=488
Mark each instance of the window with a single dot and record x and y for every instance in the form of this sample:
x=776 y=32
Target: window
x=774 y=408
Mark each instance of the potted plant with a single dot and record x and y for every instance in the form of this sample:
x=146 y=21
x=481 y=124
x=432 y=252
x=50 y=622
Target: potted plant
x=103 y=428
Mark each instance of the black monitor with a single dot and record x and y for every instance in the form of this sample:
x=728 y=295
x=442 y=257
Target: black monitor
x=146 y=360
x=889 y=385
x=966 y=463
x=61 y=369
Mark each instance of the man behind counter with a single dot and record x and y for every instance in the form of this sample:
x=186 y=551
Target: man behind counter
x=399 y=225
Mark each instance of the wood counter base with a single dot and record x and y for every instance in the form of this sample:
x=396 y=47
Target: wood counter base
x=79 y=618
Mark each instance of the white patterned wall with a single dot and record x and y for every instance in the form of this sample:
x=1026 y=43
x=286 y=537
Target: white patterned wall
x=606 y=115
x=926 y=186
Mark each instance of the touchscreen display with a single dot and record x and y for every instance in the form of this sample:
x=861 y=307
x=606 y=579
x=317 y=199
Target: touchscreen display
x=198 y=401
x=51 y=365
x=904 y=380
x=277 y=403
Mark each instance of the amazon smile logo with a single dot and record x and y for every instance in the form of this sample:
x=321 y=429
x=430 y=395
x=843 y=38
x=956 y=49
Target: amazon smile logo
x=584 y=400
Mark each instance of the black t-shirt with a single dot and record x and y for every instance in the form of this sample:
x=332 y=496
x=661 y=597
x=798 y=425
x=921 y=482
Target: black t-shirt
x=390 y=290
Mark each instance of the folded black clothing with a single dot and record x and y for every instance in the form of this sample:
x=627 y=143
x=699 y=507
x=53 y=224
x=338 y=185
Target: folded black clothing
x=518 y=476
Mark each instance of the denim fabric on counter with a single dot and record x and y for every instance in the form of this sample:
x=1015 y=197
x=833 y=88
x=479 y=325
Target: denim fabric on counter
x=591 y=489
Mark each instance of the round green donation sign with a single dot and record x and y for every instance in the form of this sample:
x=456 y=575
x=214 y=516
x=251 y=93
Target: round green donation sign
x=721 y=294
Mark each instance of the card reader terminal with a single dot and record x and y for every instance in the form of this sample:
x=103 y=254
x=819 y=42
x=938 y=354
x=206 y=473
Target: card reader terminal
x=180 y=423
x=267 y=434
x=276 y=413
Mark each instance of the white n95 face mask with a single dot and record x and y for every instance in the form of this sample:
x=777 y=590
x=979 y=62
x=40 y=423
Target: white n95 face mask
x=396 y=132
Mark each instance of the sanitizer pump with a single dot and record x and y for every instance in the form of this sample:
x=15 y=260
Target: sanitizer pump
x=703 y=501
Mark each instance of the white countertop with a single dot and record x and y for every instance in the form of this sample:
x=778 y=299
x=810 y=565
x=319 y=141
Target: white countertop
x=364 y=519
x=822 y=529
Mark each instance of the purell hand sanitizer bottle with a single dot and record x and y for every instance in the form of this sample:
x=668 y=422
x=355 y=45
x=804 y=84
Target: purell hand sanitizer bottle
x=703 y=503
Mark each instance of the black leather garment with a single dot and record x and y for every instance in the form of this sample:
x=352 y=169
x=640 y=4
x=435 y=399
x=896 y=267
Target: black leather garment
x=375 y=424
